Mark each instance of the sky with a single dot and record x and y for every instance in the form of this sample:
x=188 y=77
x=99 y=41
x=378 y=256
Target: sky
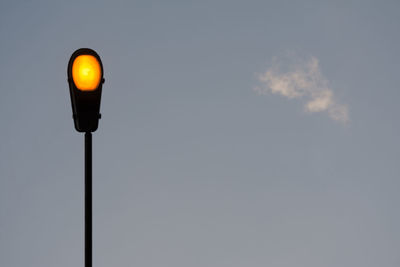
x=233 y=133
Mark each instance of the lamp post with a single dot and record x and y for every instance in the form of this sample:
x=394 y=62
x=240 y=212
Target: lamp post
x=85 y=79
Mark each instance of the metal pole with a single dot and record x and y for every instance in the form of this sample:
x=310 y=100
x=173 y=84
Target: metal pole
x=88 y=199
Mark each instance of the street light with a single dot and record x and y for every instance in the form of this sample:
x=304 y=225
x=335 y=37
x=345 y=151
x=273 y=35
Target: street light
x=85 y=79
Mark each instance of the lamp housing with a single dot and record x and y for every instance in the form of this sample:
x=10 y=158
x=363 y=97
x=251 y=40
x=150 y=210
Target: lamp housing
x=85 y=79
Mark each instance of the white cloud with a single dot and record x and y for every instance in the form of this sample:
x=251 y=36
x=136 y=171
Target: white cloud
x=304 y=81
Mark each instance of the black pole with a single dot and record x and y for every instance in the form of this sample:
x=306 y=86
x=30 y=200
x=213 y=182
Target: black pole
x=88 y=199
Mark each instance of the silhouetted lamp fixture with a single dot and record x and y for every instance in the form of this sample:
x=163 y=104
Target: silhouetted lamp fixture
x=85 y=79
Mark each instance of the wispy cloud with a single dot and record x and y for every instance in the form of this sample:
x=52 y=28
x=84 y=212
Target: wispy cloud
x=303 y=81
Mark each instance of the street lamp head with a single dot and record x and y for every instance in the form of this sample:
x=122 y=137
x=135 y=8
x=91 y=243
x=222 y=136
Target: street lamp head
x=85 y=78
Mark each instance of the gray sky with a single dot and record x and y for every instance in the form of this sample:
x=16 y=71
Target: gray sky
x=198 y=160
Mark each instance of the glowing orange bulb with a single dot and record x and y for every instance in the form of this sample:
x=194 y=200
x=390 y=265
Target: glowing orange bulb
x=86 y=72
